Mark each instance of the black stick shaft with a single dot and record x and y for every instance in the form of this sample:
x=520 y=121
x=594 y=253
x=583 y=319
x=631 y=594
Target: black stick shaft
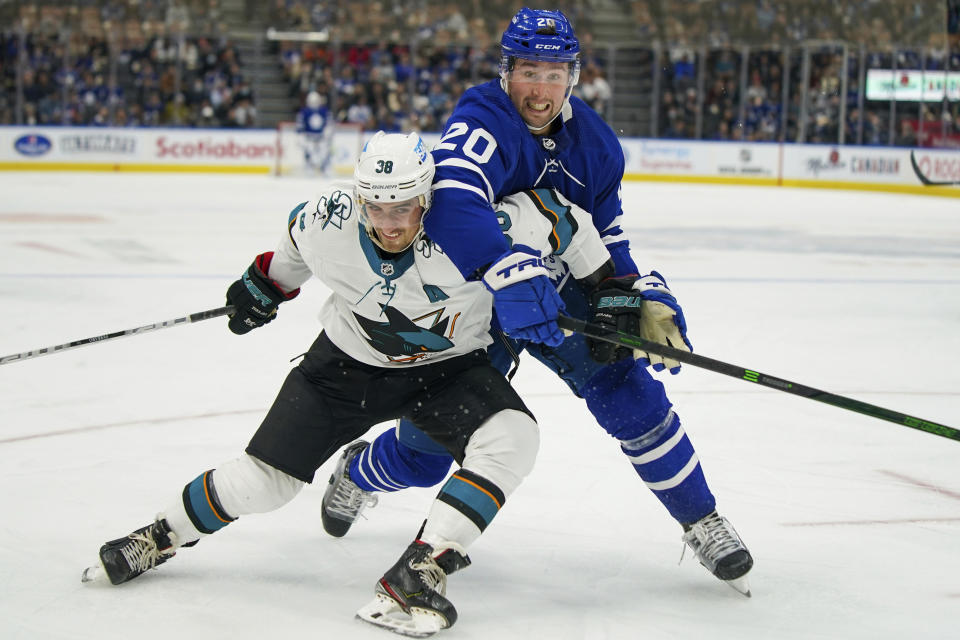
x=193 y=317
x=718 y=366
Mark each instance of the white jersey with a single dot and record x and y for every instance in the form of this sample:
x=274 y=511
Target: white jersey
x=416 y=307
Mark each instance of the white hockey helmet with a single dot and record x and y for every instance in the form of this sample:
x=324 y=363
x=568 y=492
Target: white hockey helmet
x=393 y=167
x=314 y=100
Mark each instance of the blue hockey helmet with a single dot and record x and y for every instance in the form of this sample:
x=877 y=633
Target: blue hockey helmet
x=539 y=34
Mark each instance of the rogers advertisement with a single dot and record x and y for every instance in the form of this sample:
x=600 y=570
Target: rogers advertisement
x=935 y=168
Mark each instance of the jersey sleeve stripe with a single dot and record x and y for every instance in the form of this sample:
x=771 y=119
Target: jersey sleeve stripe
x=292 y=220
x=460 y=162
x=456 y=184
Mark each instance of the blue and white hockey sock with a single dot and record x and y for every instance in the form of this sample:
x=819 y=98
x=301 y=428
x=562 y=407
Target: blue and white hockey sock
x=389 y=465
x=665 y=460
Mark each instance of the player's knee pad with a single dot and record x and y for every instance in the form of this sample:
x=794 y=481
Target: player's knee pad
x=503 y=449
x=248 y=485
x=626 y=400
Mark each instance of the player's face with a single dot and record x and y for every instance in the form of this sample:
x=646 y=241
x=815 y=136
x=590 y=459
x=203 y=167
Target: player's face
x=396 y=224
x=538 y=89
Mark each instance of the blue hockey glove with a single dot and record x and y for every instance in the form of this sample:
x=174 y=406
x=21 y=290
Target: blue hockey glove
x=255 y=296
x=524 y=298
x=642 y=306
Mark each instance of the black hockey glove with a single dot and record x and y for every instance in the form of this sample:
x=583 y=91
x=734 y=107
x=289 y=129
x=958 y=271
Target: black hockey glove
x=641 y=306
x=614 y=306
x=255 y=296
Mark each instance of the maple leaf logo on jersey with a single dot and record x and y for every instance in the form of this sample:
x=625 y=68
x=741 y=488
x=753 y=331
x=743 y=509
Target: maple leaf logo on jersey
x=401 y=339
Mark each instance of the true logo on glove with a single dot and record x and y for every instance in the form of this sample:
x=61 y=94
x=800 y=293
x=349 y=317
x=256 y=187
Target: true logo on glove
x=532 y=261
x=619 y=301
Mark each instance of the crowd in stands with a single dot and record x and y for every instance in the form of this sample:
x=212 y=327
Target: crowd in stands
x=705 y=39
x=125 y=64
x=402 y=64
x=722 y=23
x=387 y=87
x=406 y=64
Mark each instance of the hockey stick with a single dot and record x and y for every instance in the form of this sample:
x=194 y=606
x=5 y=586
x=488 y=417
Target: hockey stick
x=717 y=366
x=193 y=317
x=924 y=179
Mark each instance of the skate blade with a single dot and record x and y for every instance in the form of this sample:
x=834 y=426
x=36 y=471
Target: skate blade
x=384 y=612
x=741 y=585
x=95 y=573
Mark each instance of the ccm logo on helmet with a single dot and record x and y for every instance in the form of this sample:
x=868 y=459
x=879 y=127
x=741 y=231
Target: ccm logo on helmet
x=547 y=46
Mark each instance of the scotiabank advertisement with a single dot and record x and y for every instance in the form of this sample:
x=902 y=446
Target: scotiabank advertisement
x=88 y=148
x=202 y=146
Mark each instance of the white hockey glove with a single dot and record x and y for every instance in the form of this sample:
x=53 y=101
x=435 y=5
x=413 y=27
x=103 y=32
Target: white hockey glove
x=642 y=306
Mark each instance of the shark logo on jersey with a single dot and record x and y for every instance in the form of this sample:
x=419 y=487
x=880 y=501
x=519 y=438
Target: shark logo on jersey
x=334 y=210
x=400 y=339
x=426 y=248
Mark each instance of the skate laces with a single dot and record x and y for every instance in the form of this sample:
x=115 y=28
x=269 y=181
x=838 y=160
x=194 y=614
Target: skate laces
x=431 y=574
x=142 y=552
x=349 y=500
x=711 y=539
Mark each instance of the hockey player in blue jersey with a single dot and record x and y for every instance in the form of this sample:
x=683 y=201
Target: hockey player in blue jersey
x=313 y=125
x=525 y=130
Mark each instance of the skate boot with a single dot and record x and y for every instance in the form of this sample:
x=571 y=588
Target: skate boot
x=126 y=558
x=410 y=598
x=718 y=548
x=344 y=500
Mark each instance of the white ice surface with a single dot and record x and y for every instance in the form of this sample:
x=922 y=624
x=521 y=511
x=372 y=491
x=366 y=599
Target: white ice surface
x=854 y=522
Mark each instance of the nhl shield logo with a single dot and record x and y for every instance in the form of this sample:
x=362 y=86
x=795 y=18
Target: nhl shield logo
x=386 y=268
x=549 y=144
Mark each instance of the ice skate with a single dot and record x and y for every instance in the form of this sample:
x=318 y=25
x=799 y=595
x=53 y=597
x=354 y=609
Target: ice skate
x=718 y=548
x=343 y=501
x=410 y=599
x=126 y=558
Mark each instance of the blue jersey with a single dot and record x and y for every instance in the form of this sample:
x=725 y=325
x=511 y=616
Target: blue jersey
x=312 y=121
x=487 y=152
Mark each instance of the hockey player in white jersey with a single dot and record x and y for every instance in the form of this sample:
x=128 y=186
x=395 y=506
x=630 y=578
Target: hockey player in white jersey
x=316 y=134
x=398 y=305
